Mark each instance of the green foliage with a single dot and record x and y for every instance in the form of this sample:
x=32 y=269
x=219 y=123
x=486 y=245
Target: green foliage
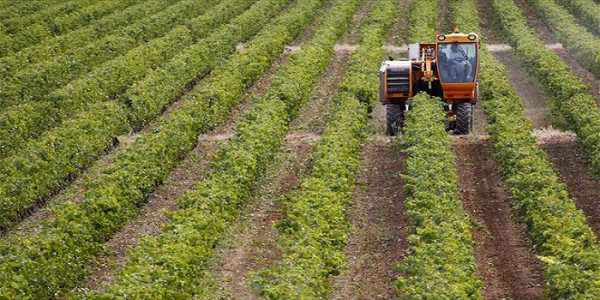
x=587 y=11
x=10 y=9
x=53 y=260
x=70 y=16
x=584 y=45
x=315 y=228
x=439 y=263
x=73 y=41
x=35 y=82
x=571 y=100
x=146 y=98
x=560 y=234
x=175 y=261
x=423 y=19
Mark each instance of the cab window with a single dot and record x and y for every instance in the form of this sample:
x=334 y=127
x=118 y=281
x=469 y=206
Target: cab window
x=457 y=62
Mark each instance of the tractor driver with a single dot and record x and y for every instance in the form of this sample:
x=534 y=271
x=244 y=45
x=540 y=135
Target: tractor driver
x=460 y=67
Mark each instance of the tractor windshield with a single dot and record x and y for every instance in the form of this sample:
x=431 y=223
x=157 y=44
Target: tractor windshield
x=457 y=62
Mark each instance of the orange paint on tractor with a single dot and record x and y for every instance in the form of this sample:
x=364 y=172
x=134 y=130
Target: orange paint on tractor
x=447 y=69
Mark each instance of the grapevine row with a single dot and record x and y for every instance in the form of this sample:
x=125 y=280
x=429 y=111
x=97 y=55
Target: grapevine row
x=315 y=228
x=561 y=237
x=439 y=261
x=115 y=195
x=423 y=19
x=584 y=45
x=587 y=11
x=39 y=80
x=206 y=211
x=110 y=79
x=73 y=41
x=574 y=107
x=24 y=34
x=57 y=154
x=10 y=9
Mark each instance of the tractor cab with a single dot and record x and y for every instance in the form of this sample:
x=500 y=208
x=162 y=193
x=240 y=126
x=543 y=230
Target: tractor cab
x=447 y=69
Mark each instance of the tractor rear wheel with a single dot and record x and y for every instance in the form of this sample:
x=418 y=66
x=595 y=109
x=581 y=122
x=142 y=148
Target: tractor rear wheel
x=464 y=118
x=395 y=118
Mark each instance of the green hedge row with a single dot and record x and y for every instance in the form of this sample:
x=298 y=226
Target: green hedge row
x=315 y=228
x=23 y=123
x=146 y=98
x=44 y=16
x=73 y=41
x=439 y=263
x=54 y=260
x=23 y=186
x=573 y=107
x=34 y=82
x=77 y=16
x=586 y=11
x=10 y=9
x=584 y=45
x=206 y=212
x=561 y=237
x=423 y=18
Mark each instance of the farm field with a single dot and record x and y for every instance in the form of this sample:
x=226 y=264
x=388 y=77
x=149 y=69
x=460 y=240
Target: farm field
x=237 y=149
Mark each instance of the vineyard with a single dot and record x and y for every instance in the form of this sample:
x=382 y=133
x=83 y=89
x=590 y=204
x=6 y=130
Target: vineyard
x=237 y=149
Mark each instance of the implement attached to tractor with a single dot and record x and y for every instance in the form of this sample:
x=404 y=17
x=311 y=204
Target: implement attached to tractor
x=447 y=69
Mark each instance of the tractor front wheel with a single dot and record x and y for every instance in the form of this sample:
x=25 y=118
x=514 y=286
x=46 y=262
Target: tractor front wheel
x=464 y=118
x=395 y=118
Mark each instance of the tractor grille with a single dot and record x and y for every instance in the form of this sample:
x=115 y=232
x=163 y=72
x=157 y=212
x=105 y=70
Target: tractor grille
x=398 y=81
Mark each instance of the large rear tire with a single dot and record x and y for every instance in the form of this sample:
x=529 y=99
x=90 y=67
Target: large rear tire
x=395 y=118
x=464 y=118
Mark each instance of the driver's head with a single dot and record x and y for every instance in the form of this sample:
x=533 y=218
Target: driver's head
x=454 y=47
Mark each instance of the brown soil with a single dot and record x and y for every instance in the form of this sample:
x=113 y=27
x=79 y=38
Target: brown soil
x=536 y=102
x=253 y=242
x=548 y=37
x=504 y=261
x=575 y=172
x=377 y=240
x=399 y=31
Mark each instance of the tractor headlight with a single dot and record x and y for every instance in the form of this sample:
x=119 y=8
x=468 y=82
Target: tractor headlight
x=472 y=36
x=441 y=37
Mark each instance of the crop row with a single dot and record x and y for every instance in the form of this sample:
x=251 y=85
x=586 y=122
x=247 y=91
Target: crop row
x=423 y=19
x=46 y=163
x=206 y=211
x=439 y=262
x=587 y=10
x=584 y=45
x=315 y=228
x=559 y=232
x=58 y=23
x=10 y=9
x=39 y=80
x=25 y=122
x=12 y=25
x=39 y=265
x=72 y=41
x=574 y=107
x=36 y=81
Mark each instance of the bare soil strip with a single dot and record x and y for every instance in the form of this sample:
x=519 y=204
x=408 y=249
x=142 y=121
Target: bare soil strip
x=377 y=240
x=574 y=171
x=253 y=241
x=504 y=260
x=548 y=37
x=536 y=102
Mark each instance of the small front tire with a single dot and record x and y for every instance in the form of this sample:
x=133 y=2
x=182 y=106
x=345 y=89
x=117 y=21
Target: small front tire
x=395 y=118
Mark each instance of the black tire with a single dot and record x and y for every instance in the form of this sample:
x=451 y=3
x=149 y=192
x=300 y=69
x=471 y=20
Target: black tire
x=395 y=118
x=464 y=118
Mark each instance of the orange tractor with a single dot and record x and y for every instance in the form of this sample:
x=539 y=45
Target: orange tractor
x=447 y=69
